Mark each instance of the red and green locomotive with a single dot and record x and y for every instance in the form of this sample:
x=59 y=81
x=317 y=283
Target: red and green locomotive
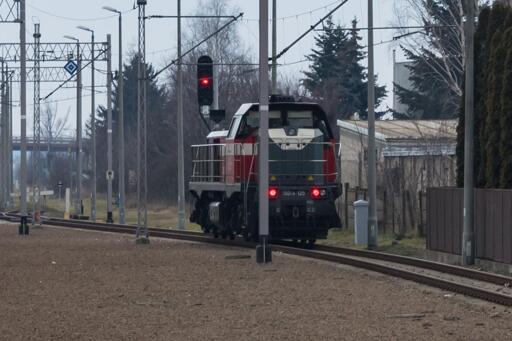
x=303 y=183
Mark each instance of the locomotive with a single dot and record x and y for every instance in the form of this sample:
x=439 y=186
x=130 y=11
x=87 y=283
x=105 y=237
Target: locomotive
x=303 y=178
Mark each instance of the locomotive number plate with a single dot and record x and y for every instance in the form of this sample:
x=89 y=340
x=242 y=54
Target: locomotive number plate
x=294 y=194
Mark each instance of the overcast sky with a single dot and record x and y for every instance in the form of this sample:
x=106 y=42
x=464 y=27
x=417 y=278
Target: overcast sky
x=60 y=17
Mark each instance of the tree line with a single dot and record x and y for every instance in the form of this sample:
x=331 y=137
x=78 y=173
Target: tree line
x=493 y=101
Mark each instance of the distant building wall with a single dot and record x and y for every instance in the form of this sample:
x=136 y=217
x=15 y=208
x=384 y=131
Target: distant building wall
x=401 y=74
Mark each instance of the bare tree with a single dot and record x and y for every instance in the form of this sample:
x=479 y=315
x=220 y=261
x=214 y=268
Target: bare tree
x=53 y=126
x=441 y=44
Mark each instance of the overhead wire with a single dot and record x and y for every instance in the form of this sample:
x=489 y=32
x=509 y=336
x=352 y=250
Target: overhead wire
x=77 y=19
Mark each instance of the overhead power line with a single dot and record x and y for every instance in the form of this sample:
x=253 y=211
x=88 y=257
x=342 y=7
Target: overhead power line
x=77 y=19
x=280 y=54
x=197 y=45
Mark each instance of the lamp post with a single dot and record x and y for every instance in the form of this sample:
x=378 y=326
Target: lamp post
x=120 y=121
x=93 y=127
x=78 y=203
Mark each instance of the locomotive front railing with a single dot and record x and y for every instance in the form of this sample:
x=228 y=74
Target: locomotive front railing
x=237 y=162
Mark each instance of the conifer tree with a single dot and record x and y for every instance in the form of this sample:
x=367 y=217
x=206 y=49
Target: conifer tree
x=505 y=146
x=481 y=60
x=336 y=78
x=492 y=130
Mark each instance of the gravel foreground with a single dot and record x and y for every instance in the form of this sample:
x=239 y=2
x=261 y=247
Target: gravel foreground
x=59 y=284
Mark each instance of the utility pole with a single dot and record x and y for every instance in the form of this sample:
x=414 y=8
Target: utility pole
x=263 y=251
x=78 y=199
x=93 y=133
x=372 y=174
x=274 y=46
x=36 y=143
x=468 y=242
x=93 y=126
x=120 y=91
x=23 y=228
x=120 y=121
x=181 y=166
x=110 y=172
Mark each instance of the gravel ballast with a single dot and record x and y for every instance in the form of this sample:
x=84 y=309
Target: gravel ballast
x=59 y=284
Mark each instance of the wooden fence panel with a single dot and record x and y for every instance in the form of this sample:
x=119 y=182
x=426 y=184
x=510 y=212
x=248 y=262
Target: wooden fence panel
x=507 y=227
x=493 y=222
x=480 y=234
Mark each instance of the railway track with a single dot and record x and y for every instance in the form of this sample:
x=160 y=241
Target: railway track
x=369 y=260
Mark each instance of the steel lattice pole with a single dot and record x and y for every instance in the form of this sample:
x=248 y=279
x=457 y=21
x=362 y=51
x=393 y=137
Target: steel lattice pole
x=141 y=125
x=36 y=147
x=9 y=144
x=3 y=134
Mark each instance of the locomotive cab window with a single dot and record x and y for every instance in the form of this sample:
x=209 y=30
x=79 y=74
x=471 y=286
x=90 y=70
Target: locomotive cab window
x=299 y=119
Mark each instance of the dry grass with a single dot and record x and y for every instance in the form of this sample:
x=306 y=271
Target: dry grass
x=410 y=246
x=159 y=214
x=164 y=215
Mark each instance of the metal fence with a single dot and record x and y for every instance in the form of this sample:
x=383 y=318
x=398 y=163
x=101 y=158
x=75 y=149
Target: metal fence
x=493 y=222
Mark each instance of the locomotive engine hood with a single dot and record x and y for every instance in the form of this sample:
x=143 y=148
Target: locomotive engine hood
x=293 y=139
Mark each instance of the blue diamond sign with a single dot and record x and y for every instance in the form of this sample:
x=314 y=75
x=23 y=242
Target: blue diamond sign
x=71 y=67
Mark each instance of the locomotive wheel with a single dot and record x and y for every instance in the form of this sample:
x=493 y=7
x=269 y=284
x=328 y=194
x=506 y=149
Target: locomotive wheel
x=215 y=233
x=246 y=234
x=232 y=236
x=308 y=243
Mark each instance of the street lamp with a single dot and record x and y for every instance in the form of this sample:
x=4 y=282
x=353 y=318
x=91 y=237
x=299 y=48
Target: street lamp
x=78 y=203
x=120 y=103
x=93 y=126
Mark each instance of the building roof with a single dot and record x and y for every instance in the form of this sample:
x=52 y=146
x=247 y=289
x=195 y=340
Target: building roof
x=408 y=137
x=405 y=129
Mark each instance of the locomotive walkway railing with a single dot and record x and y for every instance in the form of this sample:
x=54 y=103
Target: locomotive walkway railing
x=237 y=162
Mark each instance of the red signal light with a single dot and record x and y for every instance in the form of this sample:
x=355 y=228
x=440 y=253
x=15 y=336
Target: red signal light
x=204 y=82
x=316 y=193
x=273 y=193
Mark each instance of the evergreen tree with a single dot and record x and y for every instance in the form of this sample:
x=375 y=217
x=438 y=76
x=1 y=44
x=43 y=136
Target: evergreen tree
x=492 y=129
x=336 y=78
x=155 y=106
x=481 y=60
x=505 y=146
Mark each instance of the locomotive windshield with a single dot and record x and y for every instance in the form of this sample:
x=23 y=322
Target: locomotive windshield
x=304 y=119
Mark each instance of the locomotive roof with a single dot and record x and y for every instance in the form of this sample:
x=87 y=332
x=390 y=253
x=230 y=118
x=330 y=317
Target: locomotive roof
x=244 y=108
x=315 y=107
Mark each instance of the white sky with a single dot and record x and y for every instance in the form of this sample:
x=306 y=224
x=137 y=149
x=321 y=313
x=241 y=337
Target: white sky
x=60 y=17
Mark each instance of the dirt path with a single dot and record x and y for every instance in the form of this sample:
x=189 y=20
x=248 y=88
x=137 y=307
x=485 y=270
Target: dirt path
x=74 y=285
